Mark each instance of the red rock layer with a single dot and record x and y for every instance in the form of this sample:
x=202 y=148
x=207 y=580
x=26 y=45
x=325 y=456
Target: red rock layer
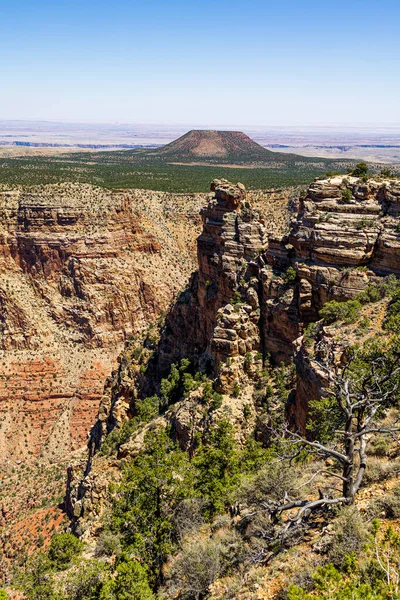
x=81 y=270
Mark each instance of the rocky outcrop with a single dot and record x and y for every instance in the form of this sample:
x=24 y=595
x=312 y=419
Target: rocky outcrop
x=206 y=322
x=345 y=235
x=346 y=222
x=81 y=270
x=243 y=298
x=251 y=297
x=244 y=308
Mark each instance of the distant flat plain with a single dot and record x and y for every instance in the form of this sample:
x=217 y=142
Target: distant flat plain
x=37 y=138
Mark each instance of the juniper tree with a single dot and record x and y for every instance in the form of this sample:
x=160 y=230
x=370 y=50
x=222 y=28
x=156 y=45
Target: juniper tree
x=361 y=386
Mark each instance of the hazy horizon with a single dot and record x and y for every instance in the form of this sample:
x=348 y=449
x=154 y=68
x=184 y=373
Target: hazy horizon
x=200 y=125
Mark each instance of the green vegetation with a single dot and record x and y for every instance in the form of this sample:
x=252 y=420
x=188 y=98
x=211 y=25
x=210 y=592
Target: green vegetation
x=134 y=169
x=343 y=311
x=62 y=550
x=147 y=499
x=236 y=298
x=130 y=583
x=87 y=580
x=346 y=196
x=349 y=311
x=290 y=276
x=360 y=170
x=365 y=222
x=368 y=569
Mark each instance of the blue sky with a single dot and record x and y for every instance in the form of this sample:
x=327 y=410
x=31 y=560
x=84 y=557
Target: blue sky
x=206 y=62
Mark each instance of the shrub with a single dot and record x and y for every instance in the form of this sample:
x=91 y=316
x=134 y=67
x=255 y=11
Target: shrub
x=248 y=359
x=63 y=548
x=148 y=408
x=258 y=532
x=360 y=170
x=246 y=411
x=364 y=324
x=329 y=584
x=289 y=276
x=310 y=333
x=130 y=584
x=372 y=293
x=236 y=298
x=379 y=446
x=365 y=222
x=201 y=562
x=270 y=483
x=198 y=567
x=346 y=197
x=379 y=470
x=188 y=516
x=351 y=536
x=87 y=581
x=302 y=578
x=108 y=544
x=392 y=321
x=344 y=311
x=216 y=401
x=389 y=505
x=118 y=436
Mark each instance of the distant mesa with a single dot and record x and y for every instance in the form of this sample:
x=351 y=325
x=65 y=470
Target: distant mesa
x=217 y=147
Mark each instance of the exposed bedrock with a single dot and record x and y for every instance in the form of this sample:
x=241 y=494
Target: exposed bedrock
x=243 y=301
x=251 y=296
x=81 y=269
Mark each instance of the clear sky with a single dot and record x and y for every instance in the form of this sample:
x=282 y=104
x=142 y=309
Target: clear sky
x=226 y=62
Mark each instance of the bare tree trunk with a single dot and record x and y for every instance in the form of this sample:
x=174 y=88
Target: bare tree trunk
x=348 y=466
x=363 y=463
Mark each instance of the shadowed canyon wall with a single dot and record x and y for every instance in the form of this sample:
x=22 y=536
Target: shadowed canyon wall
x=254 y=292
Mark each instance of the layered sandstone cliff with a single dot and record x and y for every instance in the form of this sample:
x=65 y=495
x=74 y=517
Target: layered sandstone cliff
x=82 y=271
x=243 y=300
x=254 y=293
x=243 y=312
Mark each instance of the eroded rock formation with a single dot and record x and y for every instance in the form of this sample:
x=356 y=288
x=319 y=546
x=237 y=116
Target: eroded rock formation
x=246 y=305
x=253 y=294
x=81 y=271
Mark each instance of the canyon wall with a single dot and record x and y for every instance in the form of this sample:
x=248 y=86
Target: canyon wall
x=255 y=291
x=246 y=308
x=81 y=270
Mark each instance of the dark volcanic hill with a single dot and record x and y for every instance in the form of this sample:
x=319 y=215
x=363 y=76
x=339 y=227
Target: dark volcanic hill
x=218 y=147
